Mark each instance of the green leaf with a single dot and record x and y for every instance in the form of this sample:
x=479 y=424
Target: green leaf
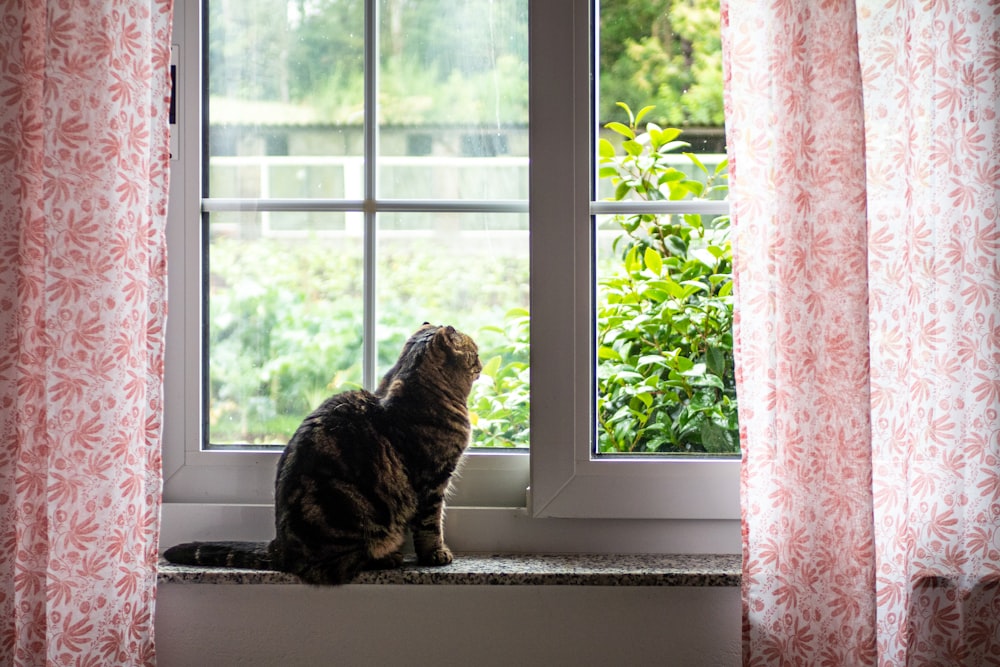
x=628 y=376
x=676 y=245
x=684 y=364
x=517 y=313
x=694 y=187
x=652 y=360
x=678 y=190
x=671 y=133
x=653 y=261
x=707 y=380
x=673 y=145
x=632 y=260
x=628 y=110
x=670 y=175
x=715 y=439
x=632 y=147
x=491 y=367
x=655 y=135
x=604 y=352
x=715 y=360
x=697 y=162
x=622 y=190
x=605 y=149
x=680 y=293
x=642 y=113
x=621 y=129
x=645 y=398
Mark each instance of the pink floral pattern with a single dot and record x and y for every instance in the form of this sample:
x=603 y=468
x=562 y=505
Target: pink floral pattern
x=865 y=159
x=83 y=185
x=932 y=91
x=799 y=199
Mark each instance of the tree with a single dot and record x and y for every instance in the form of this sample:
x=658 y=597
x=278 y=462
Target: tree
x=662 y=53
x=446 y=62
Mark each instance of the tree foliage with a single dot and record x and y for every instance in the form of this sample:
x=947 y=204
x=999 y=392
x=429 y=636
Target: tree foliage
x=447 y=62
x=663 y=53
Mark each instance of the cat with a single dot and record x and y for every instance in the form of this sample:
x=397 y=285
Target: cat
x=364 y=468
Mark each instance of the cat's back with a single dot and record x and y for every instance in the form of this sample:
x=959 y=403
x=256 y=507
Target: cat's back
x=348 y=410
x=344 y=426
x=340 y=457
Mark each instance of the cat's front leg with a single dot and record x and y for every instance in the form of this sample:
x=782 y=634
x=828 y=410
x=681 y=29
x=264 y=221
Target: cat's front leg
x=428 y=534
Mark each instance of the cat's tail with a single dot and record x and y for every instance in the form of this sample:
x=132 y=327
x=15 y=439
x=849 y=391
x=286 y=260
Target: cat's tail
x=248 y=555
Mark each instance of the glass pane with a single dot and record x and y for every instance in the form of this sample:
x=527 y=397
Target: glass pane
x=665 y=375
x=284 y=321
x=666 y=54
x=468 y=270
x=285 y=98
x=453 y=99
x=664 y=355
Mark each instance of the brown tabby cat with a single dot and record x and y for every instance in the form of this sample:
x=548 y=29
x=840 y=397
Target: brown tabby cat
x=363 y=468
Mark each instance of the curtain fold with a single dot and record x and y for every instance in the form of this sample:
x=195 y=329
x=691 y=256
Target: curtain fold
x=865 y=162
x=932 y=95
x=83 y=189
x=798 y=192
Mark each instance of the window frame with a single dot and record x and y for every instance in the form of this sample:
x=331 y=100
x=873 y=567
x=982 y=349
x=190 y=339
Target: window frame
x=559 y=489
x=567 y=479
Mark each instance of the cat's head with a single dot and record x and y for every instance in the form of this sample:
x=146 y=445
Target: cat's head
x=441 y=352
x=448 y=349
x=455 y=348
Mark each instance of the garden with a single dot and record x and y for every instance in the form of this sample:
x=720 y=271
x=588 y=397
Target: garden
x=285 y=316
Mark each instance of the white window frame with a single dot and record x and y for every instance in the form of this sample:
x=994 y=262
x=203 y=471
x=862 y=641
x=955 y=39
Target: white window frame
x=558 y=497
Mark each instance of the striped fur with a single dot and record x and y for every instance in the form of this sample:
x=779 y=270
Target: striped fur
x=364 y=469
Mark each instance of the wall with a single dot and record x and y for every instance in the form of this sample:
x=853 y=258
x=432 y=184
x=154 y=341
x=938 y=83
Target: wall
x=522 y=626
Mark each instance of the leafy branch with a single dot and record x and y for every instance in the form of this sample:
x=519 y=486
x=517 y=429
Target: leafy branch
x=666 y=381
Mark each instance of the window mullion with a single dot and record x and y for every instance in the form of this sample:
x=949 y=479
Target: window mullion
x=696 y=206
x=229 y=204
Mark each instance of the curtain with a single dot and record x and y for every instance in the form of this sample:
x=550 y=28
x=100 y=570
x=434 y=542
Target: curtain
x=865 y=167
x=83 y=187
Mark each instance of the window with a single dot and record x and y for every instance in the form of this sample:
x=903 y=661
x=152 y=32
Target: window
x=353 y=193
x=404 y=203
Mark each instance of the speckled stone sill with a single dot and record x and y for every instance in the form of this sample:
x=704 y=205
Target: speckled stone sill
x=509 y=570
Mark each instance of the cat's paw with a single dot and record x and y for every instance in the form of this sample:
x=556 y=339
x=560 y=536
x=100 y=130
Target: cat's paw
x=390 y=562
x=441 y=556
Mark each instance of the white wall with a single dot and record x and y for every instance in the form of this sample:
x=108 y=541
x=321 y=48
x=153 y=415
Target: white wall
x=521 y=626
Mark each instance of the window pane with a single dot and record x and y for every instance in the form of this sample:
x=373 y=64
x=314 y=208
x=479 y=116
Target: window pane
x=284 y=321
x=285 y=78
x=668 y=54
x=469 y=270
x=285 y=291
x=453 y=99
x=665 y=376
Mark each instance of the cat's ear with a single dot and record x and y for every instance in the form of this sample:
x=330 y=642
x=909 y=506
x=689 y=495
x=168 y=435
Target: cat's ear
x=444 y=338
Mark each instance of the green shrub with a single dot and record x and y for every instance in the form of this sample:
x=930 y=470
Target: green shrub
x=285 y=331
x=500 y=400
x=665 y=375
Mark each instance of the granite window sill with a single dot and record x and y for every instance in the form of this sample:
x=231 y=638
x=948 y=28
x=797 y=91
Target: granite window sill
x=509 y=570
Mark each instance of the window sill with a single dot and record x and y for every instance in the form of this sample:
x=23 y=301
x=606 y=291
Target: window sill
x=509 y=570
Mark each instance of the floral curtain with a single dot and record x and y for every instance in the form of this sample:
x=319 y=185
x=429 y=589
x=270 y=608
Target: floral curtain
x=865 y=158
x=83 y=181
